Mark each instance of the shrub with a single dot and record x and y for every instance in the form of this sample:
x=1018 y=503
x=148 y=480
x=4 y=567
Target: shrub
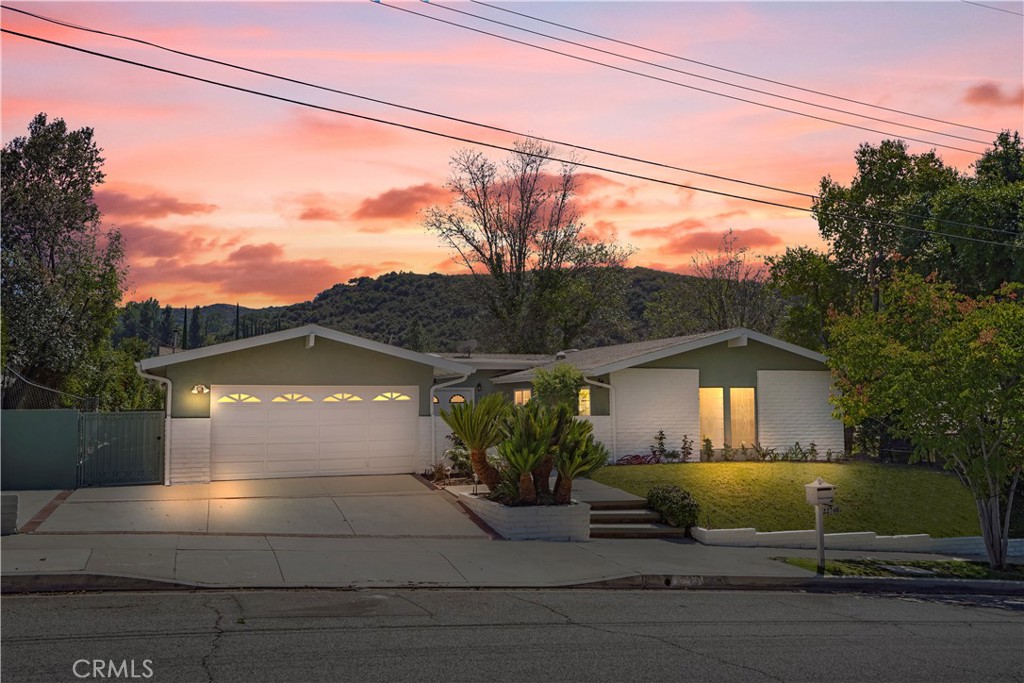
x=812 y=451
x=676 y=506
x=686 y=448
x=659 y=452
x=707 y=451
x=744 y=452
x=558 y=386
x=727 y=452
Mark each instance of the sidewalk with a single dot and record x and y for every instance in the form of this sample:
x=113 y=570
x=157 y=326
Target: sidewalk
x=80 y=559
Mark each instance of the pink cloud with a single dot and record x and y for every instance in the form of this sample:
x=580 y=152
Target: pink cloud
x=154 y=205
x=990 y=94
x=401 y=202
x=668 y=231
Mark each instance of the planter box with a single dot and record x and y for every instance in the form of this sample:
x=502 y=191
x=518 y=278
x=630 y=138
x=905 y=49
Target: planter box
x=535 y=522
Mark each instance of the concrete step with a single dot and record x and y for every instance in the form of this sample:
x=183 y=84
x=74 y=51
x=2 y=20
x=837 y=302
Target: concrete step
x=628 y=516
x=635 y=531
x=618 y=504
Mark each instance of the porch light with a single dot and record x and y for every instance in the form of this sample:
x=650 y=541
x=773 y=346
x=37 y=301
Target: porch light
x=200 y=389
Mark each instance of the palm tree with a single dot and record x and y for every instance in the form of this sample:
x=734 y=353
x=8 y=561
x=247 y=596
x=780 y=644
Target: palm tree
x=478 y=424
x=576 y=455
x=528 y=432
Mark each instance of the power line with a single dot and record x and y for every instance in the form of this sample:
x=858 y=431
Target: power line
x=485 y=126
x=670 y=81
x=490 y=145
x=731 y=71
x=702 y=77
x=997 y=9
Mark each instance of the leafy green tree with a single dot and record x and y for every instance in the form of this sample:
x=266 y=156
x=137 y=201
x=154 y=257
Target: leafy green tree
x=946 y=372
x=109 y=374
x=517 y=229
x=862 y=223
x=195 y=329
x=62 y=275
x=813 y=286
x=559 y=386
x=168 y=330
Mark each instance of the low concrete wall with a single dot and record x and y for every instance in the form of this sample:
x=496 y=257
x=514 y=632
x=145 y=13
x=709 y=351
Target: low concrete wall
x=861 y=540
x=40 y=449
x=537 y=522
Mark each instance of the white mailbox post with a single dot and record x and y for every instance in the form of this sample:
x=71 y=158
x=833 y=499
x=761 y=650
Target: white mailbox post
x=819 y=494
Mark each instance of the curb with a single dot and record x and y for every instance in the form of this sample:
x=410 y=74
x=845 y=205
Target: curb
x=14 y=584
x=811 y=584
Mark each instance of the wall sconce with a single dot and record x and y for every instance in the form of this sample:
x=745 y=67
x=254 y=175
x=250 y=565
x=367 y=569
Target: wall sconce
x=479 y=388
x=200 y=389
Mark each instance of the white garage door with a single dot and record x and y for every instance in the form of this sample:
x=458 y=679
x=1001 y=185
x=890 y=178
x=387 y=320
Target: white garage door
x=260 y=432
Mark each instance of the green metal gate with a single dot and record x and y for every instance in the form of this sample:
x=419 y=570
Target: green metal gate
x=120 y=448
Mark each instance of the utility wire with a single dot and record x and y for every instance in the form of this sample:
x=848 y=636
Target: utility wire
x=485 y=126
x=670 y=81
x=997 y=9
x=731 y=71
x=490 y=145
x=702 y=77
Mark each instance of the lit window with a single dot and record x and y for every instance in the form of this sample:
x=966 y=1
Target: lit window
x=523 y=396
x=337 y=398
x=712 y=415
x=457 y=398
x=436 y=400
x=292 y=398
x=584 y=401
x=742 y=419
x=238 y=398
x=392 y=396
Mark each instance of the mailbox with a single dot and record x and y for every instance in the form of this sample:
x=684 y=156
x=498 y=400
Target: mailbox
x=820 y=492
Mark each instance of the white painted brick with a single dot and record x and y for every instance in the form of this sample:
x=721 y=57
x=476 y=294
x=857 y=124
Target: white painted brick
x=648 y=399
x=792 y=406
x=190 y=450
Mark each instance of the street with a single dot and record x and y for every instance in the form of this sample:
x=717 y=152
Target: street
x=551 y=635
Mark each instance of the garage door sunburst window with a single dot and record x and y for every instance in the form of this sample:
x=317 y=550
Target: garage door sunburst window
x=338 y=398
x=239 y=398
x=292 y=398
x=392 y=396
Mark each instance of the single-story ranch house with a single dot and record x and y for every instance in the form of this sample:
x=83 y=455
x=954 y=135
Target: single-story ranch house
x=312 y=401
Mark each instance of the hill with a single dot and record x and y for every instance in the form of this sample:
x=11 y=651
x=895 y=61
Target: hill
x=423 y=312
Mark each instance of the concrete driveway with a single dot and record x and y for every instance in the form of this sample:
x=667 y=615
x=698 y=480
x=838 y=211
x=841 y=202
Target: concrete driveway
x=375 y=506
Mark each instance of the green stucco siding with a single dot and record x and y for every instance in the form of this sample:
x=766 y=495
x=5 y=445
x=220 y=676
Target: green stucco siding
x=327 y=363
x=721 y=366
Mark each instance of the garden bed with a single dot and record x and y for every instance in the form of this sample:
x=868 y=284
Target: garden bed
x=532 y=522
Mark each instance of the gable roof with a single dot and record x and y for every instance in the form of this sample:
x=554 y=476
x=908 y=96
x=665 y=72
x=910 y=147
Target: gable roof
x=499 y=361
x=304 y=331
x=605 y=359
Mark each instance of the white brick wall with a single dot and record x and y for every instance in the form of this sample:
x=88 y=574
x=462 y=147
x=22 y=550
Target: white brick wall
x=648 y=399
x=540 y=522
x=190 y=450
x=602 y=428
x=792 y=406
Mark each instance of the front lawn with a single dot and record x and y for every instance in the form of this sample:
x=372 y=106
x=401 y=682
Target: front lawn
x=769 y=496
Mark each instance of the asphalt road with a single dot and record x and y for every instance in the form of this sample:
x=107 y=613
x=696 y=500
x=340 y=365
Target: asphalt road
x=552 y=635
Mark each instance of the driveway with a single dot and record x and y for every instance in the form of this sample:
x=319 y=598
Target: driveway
x=373 y=506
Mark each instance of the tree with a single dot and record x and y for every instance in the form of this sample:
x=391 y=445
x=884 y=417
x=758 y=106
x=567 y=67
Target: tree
x=813 y=286
x=109 y=374
x=168 y=329
x=946 y=372
x=195 y=329
x=478 y=424
x=62 y=275
x=865 y=223
x=517 y=229
x=558 y=386
x=728 y=290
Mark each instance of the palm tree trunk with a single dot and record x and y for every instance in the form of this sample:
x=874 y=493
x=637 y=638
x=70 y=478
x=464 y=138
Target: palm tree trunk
x=527 y=491
x=542 y=476
x=563 y=490
x=485 y=471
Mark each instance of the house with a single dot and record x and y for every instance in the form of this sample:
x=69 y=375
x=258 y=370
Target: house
x=311 y=401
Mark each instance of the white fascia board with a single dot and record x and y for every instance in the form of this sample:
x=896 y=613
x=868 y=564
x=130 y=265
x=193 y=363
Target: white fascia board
x=304 y=331
x=724 y=336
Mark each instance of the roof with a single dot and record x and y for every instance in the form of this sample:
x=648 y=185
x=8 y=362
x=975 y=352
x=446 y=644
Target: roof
x=311 y=331
x=499 y=361
x=605 y=359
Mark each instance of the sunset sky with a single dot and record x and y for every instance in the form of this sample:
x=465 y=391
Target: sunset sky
x=229 y=197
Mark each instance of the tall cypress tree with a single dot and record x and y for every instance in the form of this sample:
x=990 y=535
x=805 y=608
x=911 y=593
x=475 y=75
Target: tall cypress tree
x=184 y=330
x=195 y=332
x=237 y=321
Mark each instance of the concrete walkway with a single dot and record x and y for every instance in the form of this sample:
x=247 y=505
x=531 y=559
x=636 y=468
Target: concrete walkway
x=340 y=532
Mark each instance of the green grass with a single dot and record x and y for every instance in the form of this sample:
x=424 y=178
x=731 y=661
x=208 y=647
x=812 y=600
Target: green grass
x=769 y=496
x=943 y=569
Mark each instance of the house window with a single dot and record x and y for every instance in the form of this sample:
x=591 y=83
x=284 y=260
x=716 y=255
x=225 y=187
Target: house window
x=392 y=396
x=457 y=398
x=712 y=415
x=742 y=417
x=584 y=401
x=523 y=396
x=292 y=398
x=238 y=398
x=338 y=398
x=436 y=400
